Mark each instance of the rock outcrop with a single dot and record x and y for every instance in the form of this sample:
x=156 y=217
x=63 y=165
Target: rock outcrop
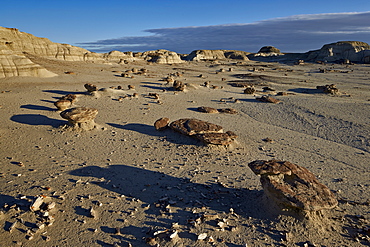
x=354 y=51
x=206 y=132
x=293 y=186
x=267 y=51
x=211 y=55
x=162 y=57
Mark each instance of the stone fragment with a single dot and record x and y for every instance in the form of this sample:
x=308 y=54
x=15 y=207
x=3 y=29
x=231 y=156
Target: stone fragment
x=268 y=99
x=217 y=138
x=161 y=123
x=194 y=126
x=293 y=186
x=63 y=104
x=206 y=109
x=90 y=87
x=35 y=206
x=330 y=89
x=70 y=97
x=179 y=85
x=80 y=118
x=249 y=90
x=228 y=110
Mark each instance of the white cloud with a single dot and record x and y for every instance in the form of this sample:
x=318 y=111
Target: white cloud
x=298 y=33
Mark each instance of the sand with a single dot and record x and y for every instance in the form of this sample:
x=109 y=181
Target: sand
x=141 y=182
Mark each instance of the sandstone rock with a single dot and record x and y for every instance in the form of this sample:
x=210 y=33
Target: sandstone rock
x=268 y=99
x=354 y=51
x=228 y=110
x=90 y=87
x=203 y=55
x=194 y=126
x=80 y=118
x=63 y=104
x=293 y=186
x=249 y=90
x=161 y=123
x=179 y=85
x=330 y=89
x=70 y=97
x=206 y=109
x=269 y=49
x=217 y=138
x=162 y=57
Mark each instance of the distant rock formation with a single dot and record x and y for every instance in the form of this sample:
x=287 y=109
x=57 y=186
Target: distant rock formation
x=162 y=57
x=268 y=51
x=206 y=55
x=354 y=51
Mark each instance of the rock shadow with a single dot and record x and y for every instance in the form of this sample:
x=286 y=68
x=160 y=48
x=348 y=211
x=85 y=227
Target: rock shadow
x=37 y=107
x=306 y=90
x=62 y=92
x=158 y=190
x=169 y=134
x=37 y=119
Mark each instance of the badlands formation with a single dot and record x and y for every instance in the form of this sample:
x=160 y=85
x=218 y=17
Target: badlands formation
x=211 y=148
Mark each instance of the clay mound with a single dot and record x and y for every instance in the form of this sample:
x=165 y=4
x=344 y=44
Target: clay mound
x=204 y=55
x=354 y=51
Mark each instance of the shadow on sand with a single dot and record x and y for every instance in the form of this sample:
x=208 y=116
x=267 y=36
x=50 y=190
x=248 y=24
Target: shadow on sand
x=156 y=188
x=37 y=107
x=37 y=119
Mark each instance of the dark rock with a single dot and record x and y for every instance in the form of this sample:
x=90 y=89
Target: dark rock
x=217 y=138
x=161 y=123
x=206 y=109
x=268 y=99
x=194 y=126
x=228 y=110
x=249 y=90
x=330 y=89
x=290 y=185
x=90 y=87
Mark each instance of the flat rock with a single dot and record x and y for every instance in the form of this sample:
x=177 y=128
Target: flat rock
x=228 y=110
x=161 y=123
x=191 y=127
x=293 y=186
x=268 y=99
x=217 y=138
x=63 y=104
x=206 y=109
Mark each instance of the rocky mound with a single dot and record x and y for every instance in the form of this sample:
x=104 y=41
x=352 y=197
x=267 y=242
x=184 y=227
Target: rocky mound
x=210 y=55
x=354 y=51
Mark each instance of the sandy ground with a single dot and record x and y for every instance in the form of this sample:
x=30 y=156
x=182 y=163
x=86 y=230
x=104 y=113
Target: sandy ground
x=141 y=182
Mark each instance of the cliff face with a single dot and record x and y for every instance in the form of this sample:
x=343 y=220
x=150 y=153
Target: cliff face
x=354 y=51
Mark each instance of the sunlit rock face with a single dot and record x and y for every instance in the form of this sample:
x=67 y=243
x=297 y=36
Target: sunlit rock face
x=354 y=51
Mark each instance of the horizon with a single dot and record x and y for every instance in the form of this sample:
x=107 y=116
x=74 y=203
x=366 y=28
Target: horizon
x=183 y=27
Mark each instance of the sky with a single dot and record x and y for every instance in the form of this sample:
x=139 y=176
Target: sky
x=186 y=25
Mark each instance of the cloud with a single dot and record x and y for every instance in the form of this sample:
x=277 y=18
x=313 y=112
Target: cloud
x=298 y=33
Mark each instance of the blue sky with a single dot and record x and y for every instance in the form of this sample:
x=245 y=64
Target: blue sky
x=186 y=25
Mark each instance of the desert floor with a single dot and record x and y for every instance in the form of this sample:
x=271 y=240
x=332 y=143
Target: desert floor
x=140 y=182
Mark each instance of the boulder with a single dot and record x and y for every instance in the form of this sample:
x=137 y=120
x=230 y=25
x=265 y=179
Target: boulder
x=217 y=138
x=179 y=85
x=161 y=123
x=63 y=104
x=80 y=118
x=194 y=126
x=90 y=87
x=206 y=109
x=249 y=90
x=204 y=131
x=293 y=186
x=268 y=99
x=228 y=110
x=329 y=89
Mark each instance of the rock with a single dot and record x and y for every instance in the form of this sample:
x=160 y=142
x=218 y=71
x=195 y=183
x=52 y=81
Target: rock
x=179 y=86
x=354 y=51
x=293 y=186
x=330 y=89
x=249 y=90
x=70 y=97
x=204 y=55
x=194 y=126
x=161 y=123
x=228 y=110
x=162 y=57
x=80 y=118
x=269 y=49
x=63 y=104
x=268 y=99
x=206 y=109
x=206 y=132
x=217 y=138
x=90 y=87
